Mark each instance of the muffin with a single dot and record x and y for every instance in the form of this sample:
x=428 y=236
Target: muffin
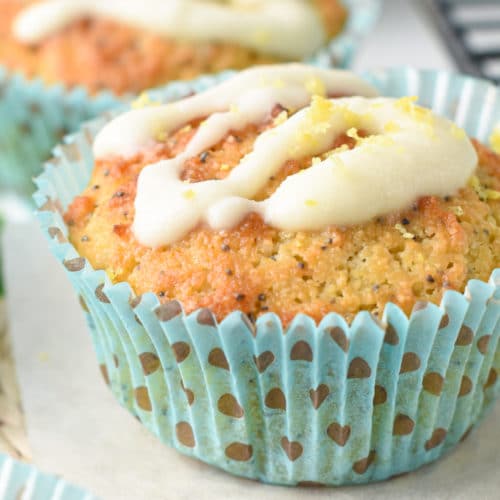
x=287 y=275
x=131 y=46
x=63 y=62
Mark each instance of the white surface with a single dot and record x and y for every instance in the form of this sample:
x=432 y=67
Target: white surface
x=77 y=429
x=404 y=36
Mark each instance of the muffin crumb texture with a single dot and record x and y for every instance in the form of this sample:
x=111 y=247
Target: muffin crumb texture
x=435 y=245
x=102 y=54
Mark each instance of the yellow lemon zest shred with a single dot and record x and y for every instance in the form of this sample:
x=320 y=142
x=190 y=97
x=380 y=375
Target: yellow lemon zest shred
x=143 y=101
x=404 y=233
x=189 y=194
x=492 y=194
x=495 y=139
x=391 y=127
x=315 y=86
x=310 y=203
x=483 y=192
x=457 y=132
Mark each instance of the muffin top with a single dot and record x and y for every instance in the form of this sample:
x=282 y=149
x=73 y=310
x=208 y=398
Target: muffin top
x=402 y=148
x=286 y=28
x=130 y=45
x=276 y=192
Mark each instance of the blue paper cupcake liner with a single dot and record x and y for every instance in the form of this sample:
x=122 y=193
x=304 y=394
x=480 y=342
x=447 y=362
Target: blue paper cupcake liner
x=333 y=403
x=3 y=308
x=20 y=481
x=2 y=290
x=34 y=117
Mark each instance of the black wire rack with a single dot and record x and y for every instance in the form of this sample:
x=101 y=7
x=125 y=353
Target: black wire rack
x=471 y=29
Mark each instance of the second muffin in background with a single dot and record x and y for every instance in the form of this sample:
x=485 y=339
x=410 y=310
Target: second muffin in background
x=131 y=45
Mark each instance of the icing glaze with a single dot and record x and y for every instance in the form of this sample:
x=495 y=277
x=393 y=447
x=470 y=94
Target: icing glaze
x=409 y=152
x=286 y=28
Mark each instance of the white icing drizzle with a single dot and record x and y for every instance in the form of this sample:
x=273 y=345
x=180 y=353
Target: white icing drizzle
x=286 y=28
x=410 y=153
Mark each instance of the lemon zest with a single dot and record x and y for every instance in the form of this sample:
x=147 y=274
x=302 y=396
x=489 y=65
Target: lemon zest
x=492 y=194
x=189 y=194
x=391 y=127
x=315 y=86
x=495 y=139
x=310 y=203
x=143 y=101
x=483 y=192
x=404 y=233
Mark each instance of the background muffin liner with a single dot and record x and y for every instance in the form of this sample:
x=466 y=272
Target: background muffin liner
x=34 y=117
x=19 y=481
x=2 y=291
x=3 y=306
x=331 y=403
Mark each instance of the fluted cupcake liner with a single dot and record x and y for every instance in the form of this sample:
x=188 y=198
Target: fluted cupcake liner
x=3 y=308
x=333 y=403
x=22 y=481
x=2 y=291
x=34 y=117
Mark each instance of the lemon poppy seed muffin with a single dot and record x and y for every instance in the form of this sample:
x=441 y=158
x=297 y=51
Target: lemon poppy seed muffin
x=127 y=46
x=325 y=230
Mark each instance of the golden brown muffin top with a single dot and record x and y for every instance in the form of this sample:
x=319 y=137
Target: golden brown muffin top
x=102 y=54
x=436 y=245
